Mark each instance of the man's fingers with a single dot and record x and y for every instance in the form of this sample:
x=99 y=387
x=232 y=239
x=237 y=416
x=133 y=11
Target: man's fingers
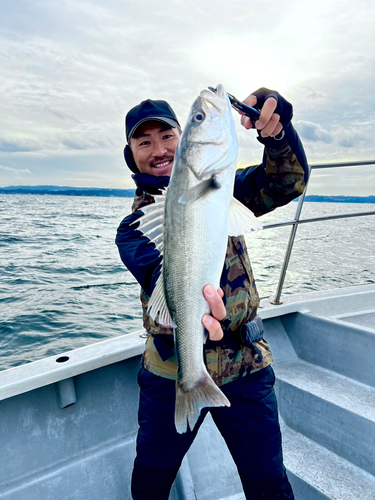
x=278 y=129
x=213 y=327
x=266 y=113
x=271 y=126
x=246 y=122
x=213 y=298
x=251 y=100
x=218 y=311
x=268 y=121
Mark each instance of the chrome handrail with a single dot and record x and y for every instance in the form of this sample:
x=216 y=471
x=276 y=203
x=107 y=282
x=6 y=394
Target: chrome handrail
x=297 y=220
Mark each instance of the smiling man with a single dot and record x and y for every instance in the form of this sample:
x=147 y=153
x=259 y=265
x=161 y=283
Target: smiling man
x=237 y=356
x=153 y=146
x=152 y=132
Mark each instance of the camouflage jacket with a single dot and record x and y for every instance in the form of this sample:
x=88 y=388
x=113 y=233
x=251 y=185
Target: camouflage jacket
x=279 y=179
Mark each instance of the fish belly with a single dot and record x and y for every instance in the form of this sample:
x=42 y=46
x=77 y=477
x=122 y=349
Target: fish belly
x=194 y=256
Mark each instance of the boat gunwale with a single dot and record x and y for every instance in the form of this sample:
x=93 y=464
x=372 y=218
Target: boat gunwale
x=30 y=376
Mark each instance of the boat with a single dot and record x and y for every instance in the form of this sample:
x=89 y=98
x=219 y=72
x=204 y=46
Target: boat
x=69 y=422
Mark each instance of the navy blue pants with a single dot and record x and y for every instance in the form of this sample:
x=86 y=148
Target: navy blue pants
x=250 y=427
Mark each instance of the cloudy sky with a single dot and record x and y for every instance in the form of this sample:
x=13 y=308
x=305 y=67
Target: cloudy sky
x=71 y=69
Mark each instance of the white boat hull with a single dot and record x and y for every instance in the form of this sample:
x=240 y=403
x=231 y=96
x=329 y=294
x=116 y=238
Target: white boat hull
x=68 y=428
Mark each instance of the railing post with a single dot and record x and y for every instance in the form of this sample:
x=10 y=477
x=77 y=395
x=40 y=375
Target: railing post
x=276 y=301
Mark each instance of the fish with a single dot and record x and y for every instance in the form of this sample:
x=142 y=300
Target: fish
x=189 y=225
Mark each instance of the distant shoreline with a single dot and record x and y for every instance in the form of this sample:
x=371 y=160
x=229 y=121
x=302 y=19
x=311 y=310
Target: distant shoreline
x=68 y=191
x=340 y=199
x=129 y=193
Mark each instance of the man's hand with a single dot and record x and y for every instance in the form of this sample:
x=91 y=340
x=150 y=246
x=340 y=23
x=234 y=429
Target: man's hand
x=218 y=311
x=275 y=112
x=269 y=122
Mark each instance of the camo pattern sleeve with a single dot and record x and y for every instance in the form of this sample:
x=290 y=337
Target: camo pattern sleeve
x=142 y=201
x=227 y=359
x=241 y=297
x=280 y=178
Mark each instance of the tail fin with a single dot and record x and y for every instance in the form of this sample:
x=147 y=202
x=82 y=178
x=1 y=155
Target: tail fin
x=190 y=403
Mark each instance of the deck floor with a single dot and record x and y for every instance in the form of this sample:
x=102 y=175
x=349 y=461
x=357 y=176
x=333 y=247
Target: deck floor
x=366 y=320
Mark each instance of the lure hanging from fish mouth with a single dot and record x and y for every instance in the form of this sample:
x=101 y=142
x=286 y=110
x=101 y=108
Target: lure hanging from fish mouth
x=236 y=104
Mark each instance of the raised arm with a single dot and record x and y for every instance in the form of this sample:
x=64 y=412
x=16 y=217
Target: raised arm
x=283 y=173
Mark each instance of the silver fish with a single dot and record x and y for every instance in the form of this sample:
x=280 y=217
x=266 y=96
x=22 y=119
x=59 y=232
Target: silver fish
x=190 y=225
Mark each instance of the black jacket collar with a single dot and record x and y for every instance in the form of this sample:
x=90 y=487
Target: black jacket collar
x=147 y=183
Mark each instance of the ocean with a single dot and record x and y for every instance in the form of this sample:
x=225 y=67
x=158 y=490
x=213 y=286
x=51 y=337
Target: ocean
x=63 y=285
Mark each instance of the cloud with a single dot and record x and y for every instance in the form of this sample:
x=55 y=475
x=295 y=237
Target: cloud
x=17 y=146
x=80 y=141
x=73 y=145
x=61 y=116
x=313 y=94
x=71 y=70
x=313 y=131
x=354 y=136
x=347 y=143
x=89 y=141
x=15 y=170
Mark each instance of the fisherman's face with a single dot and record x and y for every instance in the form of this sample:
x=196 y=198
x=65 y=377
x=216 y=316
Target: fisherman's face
x=154 y=145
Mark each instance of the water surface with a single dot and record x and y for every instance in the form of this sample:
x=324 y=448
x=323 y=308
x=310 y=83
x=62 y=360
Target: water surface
x=64 y=286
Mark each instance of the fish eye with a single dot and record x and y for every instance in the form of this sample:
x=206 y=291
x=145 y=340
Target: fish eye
x=199 y=117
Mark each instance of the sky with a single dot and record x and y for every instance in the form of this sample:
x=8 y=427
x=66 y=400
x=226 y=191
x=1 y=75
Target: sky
x=70 y=70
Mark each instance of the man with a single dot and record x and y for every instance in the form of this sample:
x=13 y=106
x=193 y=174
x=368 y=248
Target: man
x=237 y=356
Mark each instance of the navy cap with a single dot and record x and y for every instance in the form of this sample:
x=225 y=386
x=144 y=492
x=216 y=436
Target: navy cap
x=149 y=110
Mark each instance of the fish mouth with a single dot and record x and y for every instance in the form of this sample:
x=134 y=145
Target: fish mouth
x=213 y=105
x=210 y=103
x=217 y=100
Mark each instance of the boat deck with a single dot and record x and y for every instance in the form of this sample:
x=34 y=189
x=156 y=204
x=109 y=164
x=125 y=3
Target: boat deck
x=69 y=423
x=362 y=319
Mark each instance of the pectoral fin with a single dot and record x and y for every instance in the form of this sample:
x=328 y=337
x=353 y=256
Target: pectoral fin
x=157 y=306
x=241 y=219
x=199 y=190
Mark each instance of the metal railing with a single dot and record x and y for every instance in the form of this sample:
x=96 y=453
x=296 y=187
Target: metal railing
x=297 y=220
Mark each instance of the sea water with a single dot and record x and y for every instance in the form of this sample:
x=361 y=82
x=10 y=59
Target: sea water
x=63 y=285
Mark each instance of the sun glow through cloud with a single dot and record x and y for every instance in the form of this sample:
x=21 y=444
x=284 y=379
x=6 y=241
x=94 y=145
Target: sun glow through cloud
x=240 y=67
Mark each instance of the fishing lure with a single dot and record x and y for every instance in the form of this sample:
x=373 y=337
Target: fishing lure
x=252 y=113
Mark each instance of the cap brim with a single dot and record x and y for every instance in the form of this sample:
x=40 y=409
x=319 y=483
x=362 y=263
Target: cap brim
x=168 y=121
